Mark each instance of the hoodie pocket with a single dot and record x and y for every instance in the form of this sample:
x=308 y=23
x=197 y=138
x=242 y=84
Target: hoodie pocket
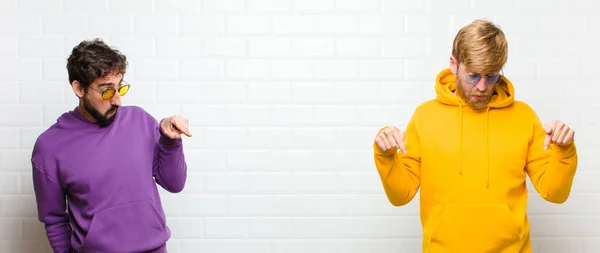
x=126 y=228
x=475 y=228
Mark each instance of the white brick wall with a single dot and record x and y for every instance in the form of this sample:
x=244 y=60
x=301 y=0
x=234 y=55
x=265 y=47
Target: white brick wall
x=284 y=98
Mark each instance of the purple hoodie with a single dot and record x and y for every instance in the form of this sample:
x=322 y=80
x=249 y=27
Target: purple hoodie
x=106 y=178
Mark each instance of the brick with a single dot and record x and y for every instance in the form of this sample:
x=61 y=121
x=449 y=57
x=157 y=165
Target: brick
x=382 y=69
x=55 y=70
x=41 y=47
x=8 y=46
x=24 y=23
x=177 y=92
x=85 y=5
x=249 y=161
x=291 y=115
x=428 y=25
x=313 y=6
x=247 y=69
x=225 y=228
x=293 y=24
x=269 y=92
x=10 y=97
x=338 y=69
x=267 y=6
x=312 y=47
x=63 y=24
x=270 y=138
x=248 y=205
x=32 y=5
x=215 y=6
x=424 y=70
x=10 y=183
x=444 y=7
x=193 y=69
x=336 y=24
x=392 y=6
x=408 y=47
x=146 y=69
x=178 y=47
x=131 y=5
x=220 y=46
x=202 y=205
x=21 y=115
x=269 y=47
x=8 y=6
x=370 y=24
x=219 y=92
x=210 y=23
x=185 y=227
x=167 y=6
x=111 y=23
x=291 y=69
x=230 y=183
x=358 y=47
x=272 y=227
x=48 y=92
x=161 y=24
x=9 y=137
x=248 y=24
x=358 y=5
x=10 y=228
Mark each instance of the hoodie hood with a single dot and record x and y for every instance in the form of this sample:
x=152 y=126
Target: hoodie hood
x=503 y=96
x=445 y=86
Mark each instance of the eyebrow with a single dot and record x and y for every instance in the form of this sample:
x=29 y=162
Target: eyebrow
x=109 y=83
x=106 y=84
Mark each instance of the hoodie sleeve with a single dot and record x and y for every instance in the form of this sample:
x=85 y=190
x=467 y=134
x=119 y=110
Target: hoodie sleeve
x=170 y=168
x=400 y=173
x=551 y=171
x=51 y=207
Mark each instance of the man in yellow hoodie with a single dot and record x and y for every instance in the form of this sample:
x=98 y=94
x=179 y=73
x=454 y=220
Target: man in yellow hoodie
x=469 y=151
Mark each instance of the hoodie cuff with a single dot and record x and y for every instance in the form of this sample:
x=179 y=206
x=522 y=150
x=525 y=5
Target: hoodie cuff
x=168 y=142
x=378 y=151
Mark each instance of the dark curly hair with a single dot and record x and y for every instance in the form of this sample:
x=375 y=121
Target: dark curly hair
x=93 y=59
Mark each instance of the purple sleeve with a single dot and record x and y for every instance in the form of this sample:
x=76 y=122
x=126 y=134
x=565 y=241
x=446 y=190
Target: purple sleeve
x=51 y=206
x=170 y=168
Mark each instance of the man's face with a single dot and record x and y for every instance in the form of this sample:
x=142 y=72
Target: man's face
x=477 y=95
x=101 y=110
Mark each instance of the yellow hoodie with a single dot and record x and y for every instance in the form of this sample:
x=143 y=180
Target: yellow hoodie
x=471 y=168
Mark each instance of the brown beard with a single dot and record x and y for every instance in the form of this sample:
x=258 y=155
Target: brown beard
x=476 y=105
x=101 y=119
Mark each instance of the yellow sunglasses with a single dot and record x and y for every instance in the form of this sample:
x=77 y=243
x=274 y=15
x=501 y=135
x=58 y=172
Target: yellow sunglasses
x=110 y=92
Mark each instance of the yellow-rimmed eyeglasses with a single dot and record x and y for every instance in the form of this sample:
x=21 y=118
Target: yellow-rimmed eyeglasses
x=110 y=92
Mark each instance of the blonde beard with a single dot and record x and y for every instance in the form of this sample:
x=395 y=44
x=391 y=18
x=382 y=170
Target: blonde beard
x=478 y=105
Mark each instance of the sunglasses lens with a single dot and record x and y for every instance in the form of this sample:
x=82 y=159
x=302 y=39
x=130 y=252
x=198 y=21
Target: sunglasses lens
x=472 y=78
x=493 y=79
x=108 y=94
x=124 y=89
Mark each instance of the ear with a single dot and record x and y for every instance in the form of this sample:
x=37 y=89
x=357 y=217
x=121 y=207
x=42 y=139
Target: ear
x=453 y=65
x=77 y=89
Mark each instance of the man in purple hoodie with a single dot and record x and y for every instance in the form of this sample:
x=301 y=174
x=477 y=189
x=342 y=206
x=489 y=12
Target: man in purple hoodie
x=96 y=170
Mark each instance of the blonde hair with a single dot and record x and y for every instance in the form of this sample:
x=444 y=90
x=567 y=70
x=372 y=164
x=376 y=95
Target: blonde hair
x=481 y=46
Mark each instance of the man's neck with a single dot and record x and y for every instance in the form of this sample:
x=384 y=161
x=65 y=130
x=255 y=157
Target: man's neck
x=84 y=113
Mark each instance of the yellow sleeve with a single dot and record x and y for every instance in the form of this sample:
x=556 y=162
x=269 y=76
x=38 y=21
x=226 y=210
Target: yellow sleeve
x=551 y=171
x=400 y=173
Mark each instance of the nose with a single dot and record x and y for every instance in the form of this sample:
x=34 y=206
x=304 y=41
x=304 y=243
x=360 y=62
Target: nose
x=116 y=99
x=481 y=85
